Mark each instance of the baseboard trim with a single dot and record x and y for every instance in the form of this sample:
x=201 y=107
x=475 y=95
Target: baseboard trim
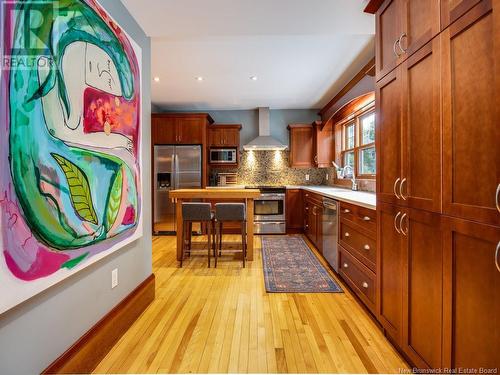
x=86 y=353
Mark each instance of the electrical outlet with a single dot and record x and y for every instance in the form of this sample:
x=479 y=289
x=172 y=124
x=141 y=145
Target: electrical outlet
x=114 y=278
x=307 y=177
x=327 y=177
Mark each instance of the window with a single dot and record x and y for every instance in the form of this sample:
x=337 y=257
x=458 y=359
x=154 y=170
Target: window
x=358 y=145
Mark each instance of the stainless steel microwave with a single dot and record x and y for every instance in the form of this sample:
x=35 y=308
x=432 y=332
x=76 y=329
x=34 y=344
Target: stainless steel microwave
x=223 y=156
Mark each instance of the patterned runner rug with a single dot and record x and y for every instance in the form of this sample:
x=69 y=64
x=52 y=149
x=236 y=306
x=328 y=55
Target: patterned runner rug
x=291 y=267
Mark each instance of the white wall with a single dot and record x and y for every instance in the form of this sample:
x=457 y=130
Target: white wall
x=36 y=332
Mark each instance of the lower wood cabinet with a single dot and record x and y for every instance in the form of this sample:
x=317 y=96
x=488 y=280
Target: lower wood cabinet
x=294 y=211
x=313 y=212
x=471 y=294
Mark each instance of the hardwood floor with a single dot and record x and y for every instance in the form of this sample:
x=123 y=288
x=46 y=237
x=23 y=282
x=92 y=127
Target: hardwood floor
x=207 y=320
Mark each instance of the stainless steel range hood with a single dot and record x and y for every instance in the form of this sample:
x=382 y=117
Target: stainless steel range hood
x=264 y=141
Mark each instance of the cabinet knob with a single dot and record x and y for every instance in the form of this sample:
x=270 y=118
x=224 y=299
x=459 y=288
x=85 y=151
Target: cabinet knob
x=366 y=247
x=346 y=211
x=346 y=234
x=365 y=285
x=366 y=218
x=346 y=265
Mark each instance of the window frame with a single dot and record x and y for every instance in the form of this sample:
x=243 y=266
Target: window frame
x=355 y=120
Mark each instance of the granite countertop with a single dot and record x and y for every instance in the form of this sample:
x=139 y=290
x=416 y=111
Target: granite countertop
x=360 y=198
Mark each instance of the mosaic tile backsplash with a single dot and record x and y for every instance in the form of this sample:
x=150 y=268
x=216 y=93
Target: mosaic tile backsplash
x=272 y=168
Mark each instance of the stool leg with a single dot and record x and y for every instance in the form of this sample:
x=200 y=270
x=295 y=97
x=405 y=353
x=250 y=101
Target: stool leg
x=214 y=239
x=183 y=235
x=209 y=243
x=243 y=242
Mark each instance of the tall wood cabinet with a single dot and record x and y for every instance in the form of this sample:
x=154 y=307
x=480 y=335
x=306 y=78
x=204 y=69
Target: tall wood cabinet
x=438 y=180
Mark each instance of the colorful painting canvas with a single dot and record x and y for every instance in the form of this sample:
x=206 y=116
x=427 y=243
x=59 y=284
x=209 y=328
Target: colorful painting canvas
x=70 y=142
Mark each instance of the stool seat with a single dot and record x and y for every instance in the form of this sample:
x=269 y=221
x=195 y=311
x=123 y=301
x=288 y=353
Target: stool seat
x=197 y=211
x=230 y=212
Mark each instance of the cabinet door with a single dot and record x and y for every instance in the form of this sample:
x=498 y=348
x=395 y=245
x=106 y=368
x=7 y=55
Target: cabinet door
x=294 y=209
x=421 y=184
x=451 y=10
x=388 y=132
x=301 y=147
x=390 y=270
x=311 y=229
x=215 y=137
x=420 y=23
x=231 y=137
x=323 y=146
x=388 y=26
x=471 y=295
x=164 y=130
x=471 y=109
x=422 y=288
x=190 y=130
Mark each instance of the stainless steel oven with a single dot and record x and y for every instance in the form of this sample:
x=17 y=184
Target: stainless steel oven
x=269 y=211
x=223 y=156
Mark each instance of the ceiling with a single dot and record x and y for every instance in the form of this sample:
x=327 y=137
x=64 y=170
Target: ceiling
x=301 y=51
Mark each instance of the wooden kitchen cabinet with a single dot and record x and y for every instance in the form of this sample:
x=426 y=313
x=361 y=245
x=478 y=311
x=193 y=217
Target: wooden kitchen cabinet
x=404 y=26
x=471 y=294
x=227 y=135
x=294 y=211
x=311 y=145
x=409 y=132
x=313 y=213
x=179 y=128
x=301 y=145
x=470 y=79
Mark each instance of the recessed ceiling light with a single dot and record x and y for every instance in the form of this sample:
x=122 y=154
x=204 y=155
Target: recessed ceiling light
x=253 y=78
x=156 y=79
x=199 y=78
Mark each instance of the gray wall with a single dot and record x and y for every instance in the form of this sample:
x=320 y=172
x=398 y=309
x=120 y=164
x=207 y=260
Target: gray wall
x=36 y=332
x=279 y=120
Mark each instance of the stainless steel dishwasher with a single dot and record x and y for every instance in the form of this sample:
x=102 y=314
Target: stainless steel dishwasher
x=329 y=223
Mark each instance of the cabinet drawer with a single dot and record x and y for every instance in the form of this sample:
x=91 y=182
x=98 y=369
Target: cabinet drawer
x=361 y=246
x=313 y=197
x=360 y=215
x=359 y=278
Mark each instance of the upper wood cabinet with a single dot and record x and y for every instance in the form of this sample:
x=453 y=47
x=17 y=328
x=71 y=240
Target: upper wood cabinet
x=471 y=109
x=227 y=135
x=451 y=10
x=179 y=128
x=403 y=26
x=409 y=132
x=301 y=145
x=311 y=145
x=471 y=294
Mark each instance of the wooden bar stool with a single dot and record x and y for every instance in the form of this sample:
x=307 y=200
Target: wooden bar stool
x=231 y=212
x=195 y=212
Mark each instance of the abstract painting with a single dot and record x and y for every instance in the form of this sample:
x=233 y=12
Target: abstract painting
x=70 y=142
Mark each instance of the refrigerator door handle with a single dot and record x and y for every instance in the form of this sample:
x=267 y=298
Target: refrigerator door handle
x=176 y=174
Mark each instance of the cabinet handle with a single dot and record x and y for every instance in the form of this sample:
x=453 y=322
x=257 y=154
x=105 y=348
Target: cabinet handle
x=395 y=220
x=366 y=247
x=496 y=256
x=316 y=159
x=346 y=265
x=347 y=234
x=401 y=223
x=346 y=211
x=365 y=285
x=394 y=188
x=496 y=198
x=403 y=35
x=394 y=48
x=401 y=188
x=366 y=218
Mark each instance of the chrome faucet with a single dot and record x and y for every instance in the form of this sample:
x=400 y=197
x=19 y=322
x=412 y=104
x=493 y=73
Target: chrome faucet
x=353 y=178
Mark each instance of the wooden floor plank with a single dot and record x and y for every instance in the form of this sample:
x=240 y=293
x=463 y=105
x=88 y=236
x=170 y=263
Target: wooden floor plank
x=222 y=320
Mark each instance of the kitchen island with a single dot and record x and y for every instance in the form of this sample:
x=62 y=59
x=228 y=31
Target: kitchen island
x=248 y=195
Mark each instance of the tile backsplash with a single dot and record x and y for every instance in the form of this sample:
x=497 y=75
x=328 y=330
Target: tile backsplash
x=272 y=168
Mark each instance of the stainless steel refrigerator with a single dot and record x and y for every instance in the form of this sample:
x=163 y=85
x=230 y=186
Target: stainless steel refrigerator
x=175 y=167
